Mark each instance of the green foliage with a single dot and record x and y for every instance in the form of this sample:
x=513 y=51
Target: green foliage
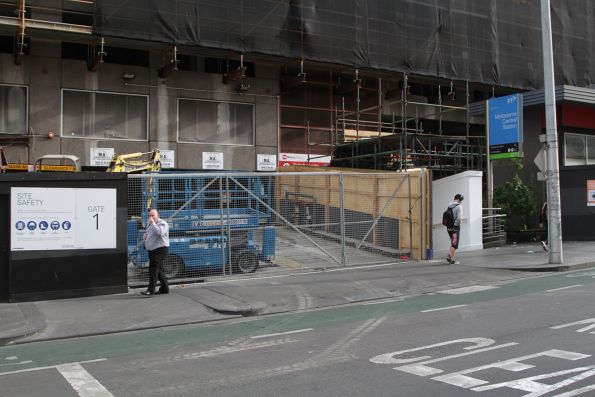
x=517 y=201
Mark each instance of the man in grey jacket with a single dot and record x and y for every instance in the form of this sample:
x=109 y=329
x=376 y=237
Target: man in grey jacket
x=156 y=243
x=455 y=232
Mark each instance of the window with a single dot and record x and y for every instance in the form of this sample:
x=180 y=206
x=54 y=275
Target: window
x=579 y=149
x=13 y=109
x=223 y=123
x=104 y=115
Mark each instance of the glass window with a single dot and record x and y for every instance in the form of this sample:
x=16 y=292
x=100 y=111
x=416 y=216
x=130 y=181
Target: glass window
x=575 y=149
x=103 y=115
x=224 y=123
x=13 y=109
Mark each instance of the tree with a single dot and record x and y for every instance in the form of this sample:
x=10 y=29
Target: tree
x=517 y=201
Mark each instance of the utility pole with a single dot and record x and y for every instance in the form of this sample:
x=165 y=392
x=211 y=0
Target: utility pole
x=551 y=132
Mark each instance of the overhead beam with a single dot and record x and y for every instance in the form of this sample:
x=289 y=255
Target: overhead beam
x=13 y=24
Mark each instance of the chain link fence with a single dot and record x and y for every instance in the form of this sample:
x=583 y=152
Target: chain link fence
x=254 y=223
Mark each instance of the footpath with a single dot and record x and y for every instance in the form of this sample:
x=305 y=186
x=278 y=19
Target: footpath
x=227 y=298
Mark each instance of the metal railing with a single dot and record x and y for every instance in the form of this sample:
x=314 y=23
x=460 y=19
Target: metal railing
x=493 y=227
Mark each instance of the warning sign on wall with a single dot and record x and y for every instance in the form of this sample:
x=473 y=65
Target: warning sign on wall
x=62 y=218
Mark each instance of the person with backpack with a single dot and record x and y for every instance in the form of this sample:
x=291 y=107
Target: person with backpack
x=452 y=220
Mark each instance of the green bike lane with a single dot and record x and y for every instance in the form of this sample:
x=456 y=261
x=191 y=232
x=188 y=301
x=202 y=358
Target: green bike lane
x=37 y=355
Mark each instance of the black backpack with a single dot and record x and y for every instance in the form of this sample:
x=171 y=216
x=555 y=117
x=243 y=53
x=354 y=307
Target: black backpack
x=448 y=218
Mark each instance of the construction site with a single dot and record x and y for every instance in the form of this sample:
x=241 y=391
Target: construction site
x=226 y=101
x=91 y=78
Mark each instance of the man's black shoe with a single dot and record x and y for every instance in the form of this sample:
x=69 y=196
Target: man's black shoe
x=161 y=292
x=147 y=293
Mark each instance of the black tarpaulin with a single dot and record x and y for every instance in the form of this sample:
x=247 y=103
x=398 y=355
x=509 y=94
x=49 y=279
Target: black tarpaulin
x=489 y=41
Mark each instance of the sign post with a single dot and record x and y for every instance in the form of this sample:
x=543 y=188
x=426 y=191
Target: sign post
x=504 y=130
x=505 y=126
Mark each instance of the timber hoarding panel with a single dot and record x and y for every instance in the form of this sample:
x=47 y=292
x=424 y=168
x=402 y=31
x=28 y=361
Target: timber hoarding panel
x=369 y=191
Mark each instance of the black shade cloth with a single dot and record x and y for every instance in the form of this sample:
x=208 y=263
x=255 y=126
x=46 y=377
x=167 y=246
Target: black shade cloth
x=488 y=41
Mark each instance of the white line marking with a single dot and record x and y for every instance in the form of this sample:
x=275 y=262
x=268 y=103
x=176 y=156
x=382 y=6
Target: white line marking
x=467 y=290
x=560 y=289
x=584 y=329
x=379 y=303
x=19 y=363
x=441 y=308
x=48 y=367
x=243 y=346
x=576 y=392
x=422 y=369
x=82 y=381
x=282 y=333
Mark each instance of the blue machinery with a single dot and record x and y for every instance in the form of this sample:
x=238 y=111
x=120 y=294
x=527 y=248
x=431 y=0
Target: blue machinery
x=217 y=223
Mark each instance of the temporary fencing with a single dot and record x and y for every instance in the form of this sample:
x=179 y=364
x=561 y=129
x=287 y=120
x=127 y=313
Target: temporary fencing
x=224 y=224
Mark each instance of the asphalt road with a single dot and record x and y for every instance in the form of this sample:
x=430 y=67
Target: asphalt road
x=527 y=337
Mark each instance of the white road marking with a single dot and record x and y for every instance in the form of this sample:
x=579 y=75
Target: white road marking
x=461 y=378
x=47 y=367
x=584 y=329
x=386 y=301
x=82 y=381
x=11 y=358
x=19 y=363
x=282 y=333
x=336 y=353
x=422 y=369
x=442 y=308
x=537 y=389
x=467 y=290
x=576 y=392
x=560 y=289
x=241 y=346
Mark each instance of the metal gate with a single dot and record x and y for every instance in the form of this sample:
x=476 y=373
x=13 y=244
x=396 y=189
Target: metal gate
x=253 y=223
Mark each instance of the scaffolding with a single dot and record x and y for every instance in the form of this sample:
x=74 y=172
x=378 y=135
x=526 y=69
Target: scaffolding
x=417 y=136
x=397 y=131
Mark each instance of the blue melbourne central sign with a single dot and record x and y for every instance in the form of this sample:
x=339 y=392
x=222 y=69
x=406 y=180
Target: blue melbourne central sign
x=505 y=126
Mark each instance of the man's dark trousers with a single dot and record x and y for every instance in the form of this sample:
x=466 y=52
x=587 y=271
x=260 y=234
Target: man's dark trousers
x=156 y=271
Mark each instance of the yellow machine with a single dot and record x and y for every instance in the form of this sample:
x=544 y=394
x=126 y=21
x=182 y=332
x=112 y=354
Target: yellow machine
x=131 y=162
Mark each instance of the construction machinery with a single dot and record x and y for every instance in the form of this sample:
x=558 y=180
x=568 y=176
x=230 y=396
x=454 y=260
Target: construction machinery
x=133 y=162
x=217 y=224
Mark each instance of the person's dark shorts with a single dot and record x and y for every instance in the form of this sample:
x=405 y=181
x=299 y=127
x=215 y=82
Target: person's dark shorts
x=455 y=236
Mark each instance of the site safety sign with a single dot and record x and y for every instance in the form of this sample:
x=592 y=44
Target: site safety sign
x=62 y=218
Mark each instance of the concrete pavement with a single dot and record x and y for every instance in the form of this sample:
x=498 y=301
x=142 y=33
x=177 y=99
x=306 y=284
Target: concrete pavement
x=225 y=298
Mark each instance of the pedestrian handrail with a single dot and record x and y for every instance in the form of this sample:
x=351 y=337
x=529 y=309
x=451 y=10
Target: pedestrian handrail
x=493 y=227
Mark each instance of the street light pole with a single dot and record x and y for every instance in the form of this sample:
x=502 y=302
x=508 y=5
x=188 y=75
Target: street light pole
x=552 y=172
